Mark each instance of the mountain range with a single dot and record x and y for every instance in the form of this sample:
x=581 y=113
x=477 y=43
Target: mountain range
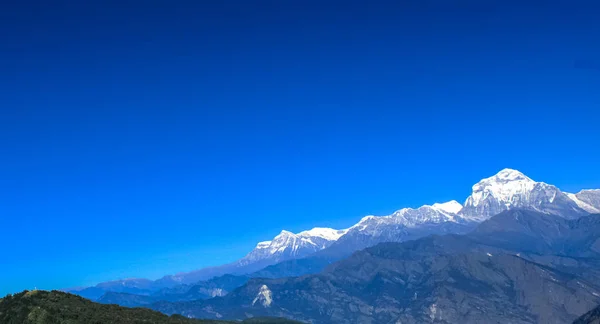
x=520 y=266
x=309 y=251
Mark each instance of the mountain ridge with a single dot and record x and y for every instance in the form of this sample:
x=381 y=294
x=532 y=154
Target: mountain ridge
x=507 y=189
x=439 y=279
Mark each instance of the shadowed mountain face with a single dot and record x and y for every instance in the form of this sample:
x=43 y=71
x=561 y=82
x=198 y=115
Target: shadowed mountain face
x=54 y=307
x=591 y=317
x=528 y=231
x=518 y=267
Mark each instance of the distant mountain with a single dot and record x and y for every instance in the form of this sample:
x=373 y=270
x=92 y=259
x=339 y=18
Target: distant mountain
x=508 y=189
x=218 y=286
x=288 y=245
x=520 y=266
x=293 y=267
x=46 y=307
x=284 y=246
x=130 y=286
x=127 y=299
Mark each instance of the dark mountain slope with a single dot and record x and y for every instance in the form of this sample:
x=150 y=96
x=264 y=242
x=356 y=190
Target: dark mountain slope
x=591 y=317
x=571 y=246
x=528 y=231
x=388 y=284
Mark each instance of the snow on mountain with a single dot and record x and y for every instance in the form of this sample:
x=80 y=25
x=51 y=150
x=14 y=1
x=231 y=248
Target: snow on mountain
x=512 y=189
x=588 y=200
x=324 y=233
x=409 y=217
x=288 y=245
x=504 y=186
x=452 y=207
x=404 y=224
x=507 y=189
x=264 y=296
x=263 y=245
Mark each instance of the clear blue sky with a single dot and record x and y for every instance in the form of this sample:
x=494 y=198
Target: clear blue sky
x=145 y=138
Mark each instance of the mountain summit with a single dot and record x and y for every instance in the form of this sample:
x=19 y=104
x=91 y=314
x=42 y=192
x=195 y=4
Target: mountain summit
x=512 y=189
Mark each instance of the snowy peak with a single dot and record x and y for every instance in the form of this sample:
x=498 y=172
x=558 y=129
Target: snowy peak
x=285 y=234
x=512 y=189
x=425 y=214
x=452 y=207
x=329 y=234
x=507 y=189
x=503 y=186
x=588 y=200
x=410 y=217
x=288 y=245
x=507 y=175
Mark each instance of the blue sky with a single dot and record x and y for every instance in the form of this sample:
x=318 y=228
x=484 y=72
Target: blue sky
x=145 y=138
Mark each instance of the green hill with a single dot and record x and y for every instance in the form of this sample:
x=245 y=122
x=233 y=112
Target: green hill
x=55 y=307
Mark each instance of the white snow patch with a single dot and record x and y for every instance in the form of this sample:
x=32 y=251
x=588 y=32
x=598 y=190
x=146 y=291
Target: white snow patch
x=265 y=296
x=324 y=232
x=583 y=205
x=452 y=206
x=217 y=292
x=263 y=245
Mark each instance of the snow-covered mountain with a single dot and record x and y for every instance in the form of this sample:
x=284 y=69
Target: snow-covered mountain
x=507 y=189
x=402 y=225
x=588 y=200
x=409 y=217
x=512 y=189
x=288 y=245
